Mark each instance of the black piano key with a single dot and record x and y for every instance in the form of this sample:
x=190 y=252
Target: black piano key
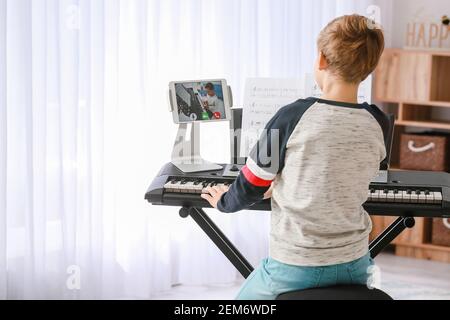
x=409 y=191
x=427 y=192
x=395 y=191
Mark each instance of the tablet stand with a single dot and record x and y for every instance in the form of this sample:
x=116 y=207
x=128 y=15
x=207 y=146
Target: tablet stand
x=186 y=151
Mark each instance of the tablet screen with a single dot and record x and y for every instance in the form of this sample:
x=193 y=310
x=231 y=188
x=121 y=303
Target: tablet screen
x=200 y=101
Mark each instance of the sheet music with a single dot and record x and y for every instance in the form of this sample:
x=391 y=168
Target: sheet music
x=263 y=97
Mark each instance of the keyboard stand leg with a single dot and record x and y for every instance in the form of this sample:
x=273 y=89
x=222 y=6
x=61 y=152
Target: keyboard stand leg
x=389 y=235
x=219 y=239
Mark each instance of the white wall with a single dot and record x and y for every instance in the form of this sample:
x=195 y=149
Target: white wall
x=406 y=10
x=386 y=18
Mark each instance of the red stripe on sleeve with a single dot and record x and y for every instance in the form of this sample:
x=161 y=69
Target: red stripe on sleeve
x=254 y=180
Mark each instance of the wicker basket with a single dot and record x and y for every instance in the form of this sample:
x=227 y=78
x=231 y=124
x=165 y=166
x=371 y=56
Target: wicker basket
x=441 y=232
x=424 y=152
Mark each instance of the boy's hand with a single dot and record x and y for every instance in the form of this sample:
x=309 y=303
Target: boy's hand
x=268 y=193
x=215 y=193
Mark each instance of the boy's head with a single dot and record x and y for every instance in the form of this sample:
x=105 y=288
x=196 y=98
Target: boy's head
x=350 y=48
x=210 y=89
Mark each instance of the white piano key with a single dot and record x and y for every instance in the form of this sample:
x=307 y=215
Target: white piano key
x=437 y=197
x=382 y=196
x=422 y=197
x=399 y=197
x=406 y=198
x=189 y=187
x=369 y=195
x=414 y=197
x=376 y=196
x=429 y=198
x=168 y=186
x=390 y=196
x=180 y=187
x=198 y=188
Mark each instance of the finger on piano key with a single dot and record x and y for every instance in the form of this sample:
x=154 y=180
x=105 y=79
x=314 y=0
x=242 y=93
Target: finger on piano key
x=222 y=187
x=208 y=185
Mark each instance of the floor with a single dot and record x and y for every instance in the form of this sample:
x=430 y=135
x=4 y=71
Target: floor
x=402 y=278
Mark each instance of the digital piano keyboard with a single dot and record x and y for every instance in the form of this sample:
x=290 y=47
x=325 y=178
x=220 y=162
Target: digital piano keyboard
x=407 y=193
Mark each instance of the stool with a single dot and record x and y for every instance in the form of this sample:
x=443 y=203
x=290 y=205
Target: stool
x=344 y=292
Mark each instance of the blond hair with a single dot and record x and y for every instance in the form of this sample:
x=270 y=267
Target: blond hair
x=352 y=46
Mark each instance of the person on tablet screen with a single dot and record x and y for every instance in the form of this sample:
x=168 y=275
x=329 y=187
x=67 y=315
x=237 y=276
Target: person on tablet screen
x=212 y=103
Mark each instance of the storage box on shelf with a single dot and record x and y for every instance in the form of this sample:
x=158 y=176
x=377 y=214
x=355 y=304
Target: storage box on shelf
x=415 y=86
x=441 y=232
x=424 y=152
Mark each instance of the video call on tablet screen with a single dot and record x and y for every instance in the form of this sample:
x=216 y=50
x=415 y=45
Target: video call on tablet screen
x=200 y=101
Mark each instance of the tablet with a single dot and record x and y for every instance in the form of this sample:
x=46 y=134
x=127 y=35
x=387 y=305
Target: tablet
x=200 y=101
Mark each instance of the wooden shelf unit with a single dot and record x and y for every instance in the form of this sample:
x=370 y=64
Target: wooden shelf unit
x=415 y=86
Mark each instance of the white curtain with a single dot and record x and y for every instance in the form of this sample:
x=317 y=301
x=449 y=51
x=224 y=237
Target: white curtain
x=84 y=128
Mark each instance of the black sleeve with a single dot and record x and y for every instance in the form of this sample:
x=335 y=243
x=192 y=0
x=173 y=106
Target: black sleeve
x=265 y=161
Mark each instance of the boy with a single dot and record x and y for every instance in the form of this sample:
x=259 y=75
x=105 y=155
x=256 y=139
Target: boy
x=212 y=103
x=319 y=156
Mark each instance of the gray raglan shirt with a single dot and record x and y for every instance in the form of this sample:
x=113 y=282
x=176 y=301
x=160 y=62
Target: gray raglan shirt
x=320 y=156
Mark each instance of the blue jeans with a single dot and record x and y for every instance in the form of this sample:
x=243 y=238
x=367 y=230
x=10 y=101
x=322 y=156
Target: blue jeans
x=273 y=278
